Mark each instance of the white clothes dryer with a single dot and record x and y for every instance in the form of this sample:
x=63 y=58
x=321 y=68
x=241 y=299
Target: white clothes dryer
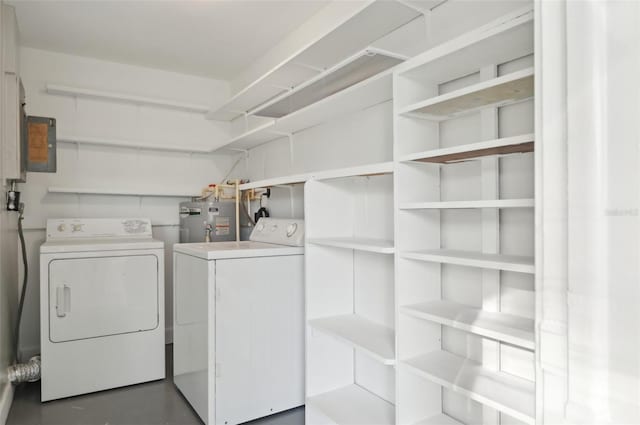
x=101 y=306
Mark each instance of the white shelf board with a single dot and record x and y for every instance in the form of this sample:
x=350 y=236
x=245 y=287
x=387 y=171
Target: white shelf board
x=503 y=327
x=363 y=24
x=512 y=263
x=510 y=88
x=96 y=141
x=355 y=171
x=358 y=170
x=123 y=192
x=355 y=69
x=59 y=89
x=360 y=244
x=277 y=181
x=375 y=340
x=440 y=419
x=506 y=393
x=353 y=405
x=372 y=91
x=472 y=151
x=491 y=203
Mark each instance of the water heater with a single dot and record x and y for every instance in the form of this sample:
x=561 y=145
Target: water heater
x=202 y=221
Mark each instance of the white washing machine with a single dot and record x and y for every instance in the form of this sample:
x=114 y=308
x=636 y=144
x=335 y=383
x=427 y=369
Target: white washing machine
x=239 y=323
x=101 y=306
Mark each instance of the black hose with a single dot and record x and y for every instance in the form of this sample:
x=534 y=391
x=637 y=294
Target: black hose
x=24 y=282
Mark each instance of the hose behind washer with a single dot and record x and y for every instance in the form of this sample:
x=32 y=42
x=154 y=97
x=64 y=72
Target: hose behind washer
x=24 y=283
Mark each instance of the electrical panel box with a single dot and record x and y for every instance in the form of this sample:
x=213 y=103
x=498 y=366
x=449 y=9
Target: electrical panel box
x=40 y=145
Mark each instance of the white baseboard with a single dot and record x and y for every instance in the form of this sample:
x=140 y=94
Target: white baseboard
x=6 y=398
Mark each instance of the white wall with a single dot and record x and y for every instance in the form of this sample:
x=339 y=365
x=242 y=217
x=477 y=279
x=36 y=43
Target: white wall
x=107 y=167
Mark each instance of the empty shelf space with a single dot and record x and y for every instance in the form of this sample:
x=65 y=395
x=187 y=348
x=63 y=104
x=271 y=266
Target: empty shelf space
x=491 y=203
x=123 y=192
x=352 y=405
x=256 y=136
x=318 y=60
x=506 y=393
x=375 y=340
x=504 y=146
x=514 y=263
x=440 y=419
x=499 y=326
x=58 y=89
x=357 y=68
x=499 y=91
x=360 y=244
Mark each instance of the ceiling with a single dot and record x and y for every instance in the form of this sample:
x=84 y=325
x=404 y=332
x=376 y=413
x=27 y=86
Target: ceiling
x=216 y=39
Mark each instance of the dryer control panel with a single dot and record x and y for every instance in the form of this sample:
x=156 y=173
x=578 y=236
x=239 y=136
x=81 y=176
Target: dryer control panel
x=279 y=231
x=76 y=228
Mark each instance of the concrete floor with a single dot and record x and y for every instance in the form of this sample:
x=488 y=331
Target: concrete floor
x=153 y=403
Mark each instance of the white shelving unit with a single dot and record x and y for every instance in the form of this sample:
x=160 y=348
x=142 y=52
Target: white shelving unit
x=350 y=305
x=363 y=25
x=463 y=122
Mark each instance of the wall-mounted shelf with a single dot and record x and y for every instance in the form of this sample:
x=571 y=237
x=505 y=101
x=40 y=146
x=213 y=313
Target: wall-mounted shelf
x=472 y=151
x=512 y=263
x=63 y=90
x=364 y=335
x=506 y=393
x=492 y=203
x=123 y=192
x=362 y=26
x=500 y=91
x=353 y=405
x=355 y=171
x=352 y=71
x=372 y=91
x=503 y=327
x=358 y=244
x=96 y=141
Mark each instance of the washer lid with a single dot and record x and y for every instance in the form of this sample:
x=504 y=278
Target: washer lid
x=242 y=249
x=100 y=244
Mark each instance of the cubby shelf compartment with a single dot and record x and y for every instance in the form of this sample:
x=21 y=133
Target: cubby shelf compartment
x=372 y=91
x=440 y=419
x=353 y=405
x=360 y=244
x=492 y=203
x=513 y=263
x=473 y=151
x=59 y=89
x=362 y=24
x=123 y=192
x=503 y=327
x=510 y=88
x=355 y=171
x=506 y=393
x=375 y=340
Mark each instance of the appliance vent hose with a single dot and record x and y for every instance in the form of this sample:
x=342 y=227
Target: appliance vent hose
x=25 y=372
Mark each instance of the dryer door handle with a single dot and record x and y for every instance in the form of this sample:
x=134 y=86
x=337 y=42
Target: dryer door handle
x=63 y=300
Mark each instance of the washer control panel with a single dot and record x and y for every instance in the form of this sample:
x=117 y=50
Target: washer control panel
x=75 y=228
x=279 y=231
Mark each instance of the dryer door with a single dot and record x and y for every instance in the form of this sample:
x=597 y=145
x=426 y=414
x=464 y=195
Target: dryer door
x=101 y=296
